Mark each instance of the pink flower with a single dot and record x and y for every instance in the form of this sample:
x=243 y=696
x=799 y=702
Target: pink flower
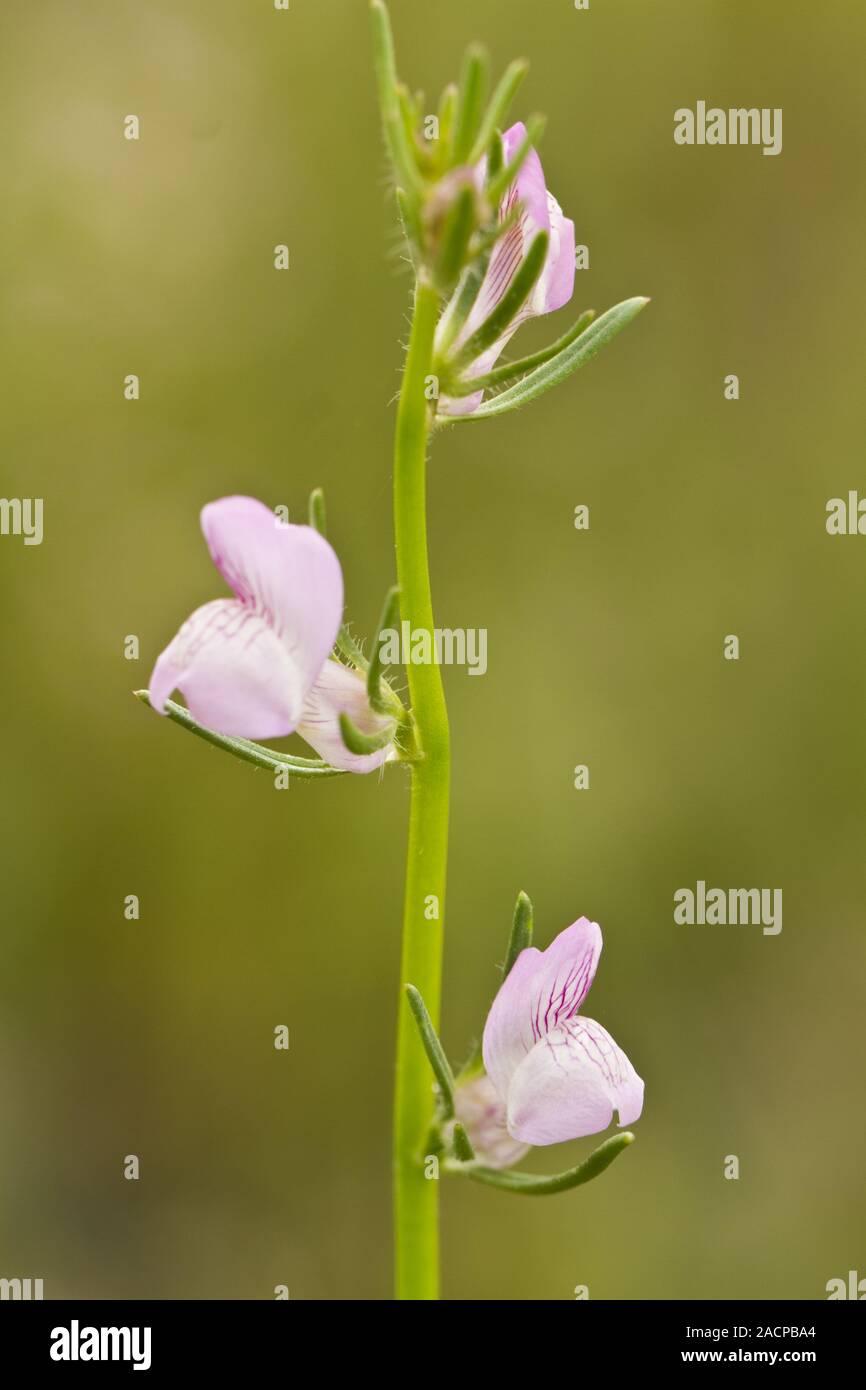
x=257 y=665
x=558 y=1076
x=482 y=1115
x=554 y=287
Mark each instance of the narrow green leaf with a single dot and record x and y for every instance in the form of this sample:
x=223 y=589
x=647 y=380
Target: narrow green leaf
x=485 y=241
x=379 y=699
x=462 y=1144
x=558 y=368
x=509 y=305
x=244 y=748
x=529 y=1185
x=470 y=102
x=456 y=233
x=410 y=224
x=521 y=932
x=509 y=371
x=505 y=92
x=460 y=305
x=389 y=99
x=496 y=157
x=316 y=508
x=498 y=186
x=408 y=111
x=435 y=1052
x=362 y=744
x=447 y=112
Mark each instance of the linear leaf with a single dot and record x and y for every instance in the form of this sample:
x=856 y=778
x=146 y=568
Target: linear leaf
x=470 y=103
x=544 y=378
x=509 y=371
x=505 y=92
x=530 y=1185
x=244 y=748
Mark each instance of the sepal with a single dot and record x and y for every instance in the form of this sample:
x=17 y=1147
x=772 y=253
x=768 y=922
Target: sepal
x=521 y=932
x=462 y=1144
x=345 y=643
x=317 y=513
x=382 y=698
x=363 y=744
x=439 y=1063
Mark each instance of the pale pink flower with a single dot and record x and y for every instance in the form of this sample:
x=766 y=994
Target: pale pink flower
x=258 y=665
x=554 y=287
x=482 y=1115
x=558 y=1075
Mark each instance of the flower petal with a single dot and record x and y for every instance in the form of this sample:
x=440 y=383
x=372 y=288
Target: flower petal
x=482 y=1114
x=570 y=1084
x=508 y=254
x=555 y=285
x=543 y=989
x=529 y=186
x=288 y=575
x=462 y=405
x=236 y=675
x=341 y=691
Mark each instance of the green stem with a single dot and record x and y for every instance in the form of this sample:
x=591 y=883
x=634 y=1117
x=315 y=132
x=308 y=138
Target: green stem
x=416 y=1207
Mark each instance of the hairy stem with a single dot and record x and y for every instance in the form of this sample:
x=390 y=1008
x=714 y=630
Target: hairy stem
x=416 y=1209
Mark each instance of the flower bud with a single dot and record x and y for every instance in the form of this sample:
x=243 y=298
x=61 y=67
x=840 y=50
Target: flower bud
x=453 y=212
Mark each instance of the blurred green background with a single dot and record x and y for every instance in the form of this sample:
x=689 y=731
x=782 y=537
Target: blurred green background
x=707 y=518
